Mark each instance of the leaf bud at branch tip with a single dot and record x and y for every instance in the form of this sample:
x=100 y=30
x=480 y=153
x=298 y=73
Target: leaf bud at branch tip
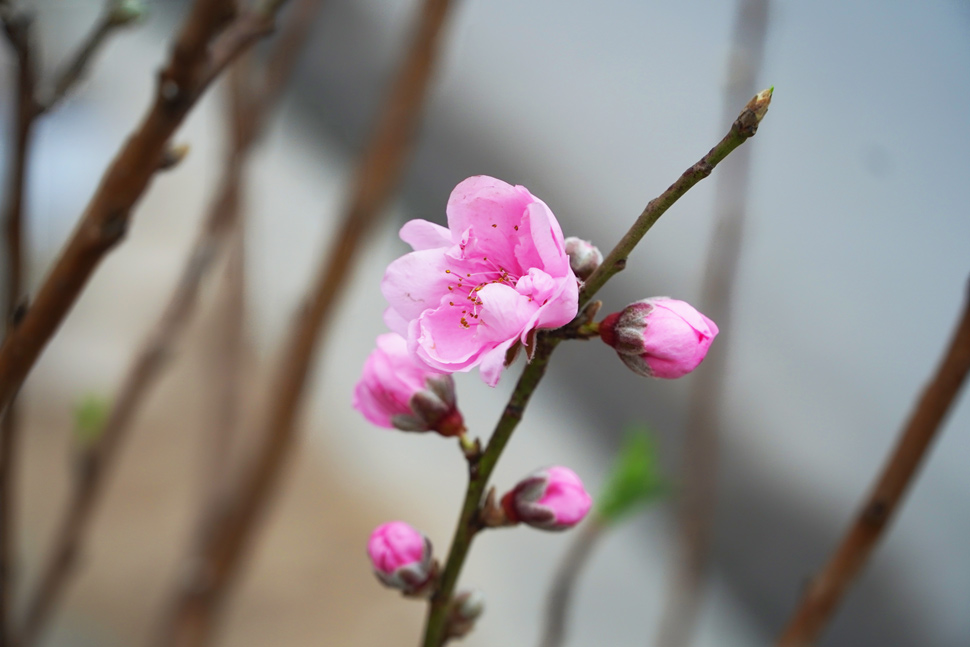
x=754 y=112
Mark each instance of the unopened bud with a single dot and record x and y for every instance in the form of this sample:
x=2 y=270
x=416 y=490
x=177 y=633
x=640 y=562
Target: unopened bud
x=549 y=499
x=466 y=608
x=401 y=557
x=584 y=257
x=396 y=390
x=659 y=337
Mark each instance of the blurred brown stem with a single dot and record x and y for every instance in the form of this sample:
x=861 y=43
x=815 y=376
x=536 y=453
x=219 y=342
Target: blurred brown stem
x=695 y=510
x=561 y=593
x=218 y=557
x=823 y=595
x=17 y=27
x=209 y=39
x=189 y=61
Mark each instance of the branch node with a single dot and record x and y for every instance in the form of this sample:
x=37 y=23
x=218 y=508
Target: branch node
x=115 y=226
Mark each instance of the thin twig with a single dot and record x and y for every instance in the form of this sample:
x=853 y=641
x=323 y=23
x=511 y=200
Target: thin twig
x=103 y=224
x=111 y=19
x=142 y=374
x=147 y=365
x=221 y=550
x=17 y=28
x=823 y=595
x=745 y=126
x=560 y=596
x=695 y=509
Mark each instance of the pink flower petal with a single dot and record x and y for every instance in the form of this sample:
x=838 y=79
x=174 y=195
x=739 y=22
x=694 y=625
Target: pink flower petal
x=421 y=234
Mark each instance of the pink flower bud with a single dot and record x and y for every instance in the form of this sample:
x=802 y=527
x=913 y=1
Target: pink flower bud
x=397 y=390
x=550 y=499
x=659 y=337
x=584 y=257
x=401 y=556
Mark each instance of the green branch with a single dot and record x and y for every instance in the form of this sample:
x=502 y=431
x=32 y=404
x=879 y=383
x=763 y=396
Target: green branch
x=436 y=629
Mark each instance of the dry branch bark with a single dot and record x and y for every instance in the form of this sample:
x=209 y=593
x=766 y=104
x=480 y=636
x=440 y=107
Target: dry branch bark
x=217 y=559
x=823 y=595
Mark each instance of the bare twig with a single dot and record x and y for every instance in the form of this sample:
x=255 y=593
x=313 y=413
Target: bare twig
x=744 y=127
x=17 y=28
x=190 y=69
x=557 y=609
x=113 y=17
x=146 y=367
x=140 y=377
x=823 y=595
x=221 y=549
x=695 y=510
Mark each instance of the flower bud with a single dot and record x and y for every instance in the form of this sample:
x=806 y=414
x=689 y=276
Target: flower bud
x=466 y=608
x=659 y=337
x=550 y=499
x=396 y=390
x=401 y=556
x=584 y=257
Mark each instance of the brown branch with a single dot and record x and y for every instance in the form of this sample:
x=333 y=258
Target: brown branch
x=696 y=507
x=176 y=94
x=105 y=220
x=824 y=594
x=142 y=374
x=17 y=28
x=218 y=557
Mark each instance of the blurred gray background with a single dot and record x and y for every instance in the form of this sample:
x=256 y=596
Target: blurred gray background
x=854 y=265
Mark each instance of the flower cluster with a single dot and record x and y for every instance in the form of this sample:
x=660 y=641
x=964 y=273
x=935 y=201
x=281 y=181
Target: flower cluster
x=467 y=296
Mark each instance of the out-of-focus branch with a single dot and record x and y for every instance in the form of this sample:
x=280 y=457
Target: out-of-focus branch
x=823 y=595
x=17 y=28
x=103 y=224
x=142 y=374
x=178 y=90
x=695 y=509
x=220 y=552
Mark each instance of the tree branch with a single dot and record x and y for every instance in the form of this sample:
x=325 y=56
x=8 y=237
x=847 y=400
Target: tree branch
x=824 y=594
x=745 y=126
x=221 y=549
x=17 y=28
x=149 y=362
x=105 y=220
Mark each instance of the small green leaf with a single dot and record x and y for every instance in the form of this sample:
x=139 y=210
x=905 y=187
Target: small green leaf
x=125 y=12
x=634 y=479
x=90 y=414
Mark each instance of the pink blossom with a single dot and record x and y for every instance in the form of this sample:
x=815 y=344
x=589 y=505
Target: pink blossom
x=659 y=337
x=550 y=499
x=467 y=293
x=401 y=556
x=396 y=390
